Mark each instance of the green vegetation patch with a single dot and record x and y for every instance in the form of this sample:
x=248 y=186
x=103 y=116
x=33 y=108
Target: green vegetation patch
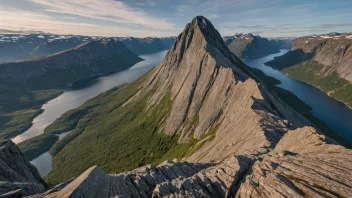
x=118 y=138
x=56 y=148
x=38 y=145
x=13 y=124
x=20 y=107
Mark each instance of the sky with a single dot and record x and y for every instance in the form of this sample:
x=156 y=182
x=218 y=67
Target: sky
x=142 y=18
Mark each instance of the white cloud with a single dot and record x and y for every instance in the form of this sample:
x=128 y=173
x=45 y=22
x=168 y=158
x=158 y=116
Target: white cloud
x=108 y=10
x=19 y=20
x=213 y=16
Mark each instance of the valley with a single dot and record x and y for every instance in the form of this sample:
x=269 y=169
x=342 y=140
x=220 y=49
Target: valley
x=137 y=112
x=72 y=99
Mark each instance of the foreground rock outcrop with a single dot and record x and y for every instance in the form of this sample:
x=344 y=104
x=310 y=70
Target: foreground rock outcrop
x=17 y=176
x=302 y=164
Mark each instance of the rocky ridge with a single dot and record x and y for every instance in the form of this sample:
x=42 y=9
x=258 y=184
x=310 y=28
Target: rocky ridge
x=212 y=90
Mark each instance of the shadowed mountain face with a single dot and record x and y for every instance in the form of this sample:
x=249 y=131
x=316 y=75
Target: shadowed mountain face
x=147 y=45
x=202 y=108
x=15 y=47
x=248 y=46
x=26 y=85
x=324 y=61
x=95 y=57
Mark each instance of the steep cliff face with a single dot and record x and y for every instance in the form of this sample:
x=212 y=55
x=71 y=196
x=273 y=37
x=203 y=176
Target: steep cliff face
x=250 y=46
x=18 y=177
x=201 y=98
x=212 y=91
x=202 y=106
x=324 y=61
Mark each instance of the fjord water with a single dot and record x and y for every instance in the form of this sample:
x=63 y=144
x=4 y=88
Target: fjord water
x=334 y=113
x=73 y=98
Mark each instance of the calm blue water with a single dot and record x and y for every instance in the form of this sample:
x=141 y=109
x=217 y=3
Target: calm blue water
x=334 y=113
x=71 y=99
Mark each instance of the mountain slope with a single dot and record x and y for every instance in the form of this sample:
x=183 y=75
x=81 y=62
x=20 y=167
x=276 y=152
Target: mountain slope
x=26 y=85
x=324 y=61
x=250 y=46
x=186 y=107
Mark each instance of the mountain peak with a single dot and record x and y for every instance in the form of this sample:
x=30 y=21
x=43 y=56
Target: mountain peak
x=202 y=22
x=207 y=30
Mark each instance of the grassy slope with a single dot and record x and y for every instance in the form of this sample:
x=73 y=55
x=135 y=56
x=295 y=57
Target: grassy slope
x=23 y=108
x=44 y=141
x=115 y=137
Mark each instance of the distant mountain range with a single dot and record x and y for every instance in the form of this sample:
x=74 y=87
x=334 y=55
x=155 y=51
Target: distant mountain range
x=14 y=47
x=148 y=45
x=248 y=46
x=324 y=61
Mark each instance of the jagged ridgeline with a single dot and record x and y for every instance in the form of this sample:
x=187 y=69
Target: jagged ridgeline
x=202 y=105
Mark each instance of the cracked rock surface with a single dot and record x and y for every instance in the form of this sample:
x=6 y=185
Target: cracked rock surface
x=17 y=176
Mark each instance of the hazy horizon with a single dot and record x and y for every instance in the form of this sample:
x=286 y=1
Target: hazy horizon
x=158 y=18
